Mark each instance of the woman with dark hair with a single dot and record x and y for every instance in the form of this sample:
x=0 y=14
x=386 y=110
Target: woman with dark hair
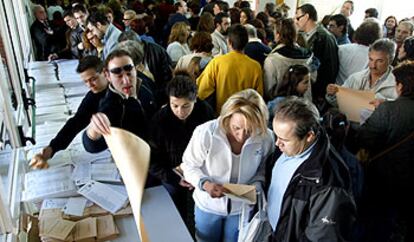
x=390 y=25
x=388 y=136
x=286 y=53
x=234 y=14
x=246 y=15
x=406 y=51
x=173 y=127
x=269 y=32
x=295 y=82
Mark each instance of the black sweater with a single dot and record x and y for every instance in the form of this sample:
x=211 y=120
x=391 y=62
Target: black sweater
x=123 y=113
x=77 y=123
x=170 y=136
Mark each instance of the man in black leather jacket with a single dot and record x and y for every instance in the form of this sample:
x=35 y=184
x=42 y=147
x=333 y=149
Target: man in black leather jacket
x=310 y=195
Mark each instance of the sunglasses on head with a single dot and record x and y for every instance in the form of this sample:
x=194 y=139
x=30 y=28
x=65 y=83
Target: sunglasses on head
x=118 y=70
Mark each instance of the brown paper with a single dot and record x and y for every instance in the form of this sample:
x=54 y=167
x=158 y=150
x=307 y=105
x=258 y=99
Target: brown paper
x=131 y=155
x=241 y=192
x=57 y=229
x=106 y=228
x=351 y=102
x=85 y=229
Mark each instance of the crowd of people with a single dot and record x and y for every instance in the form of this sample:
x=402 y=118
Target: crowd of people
x=229 y=95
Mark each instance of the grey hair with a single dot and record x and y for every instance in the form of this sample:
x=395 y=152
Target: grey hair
x=37 y=7
x=409 y=24
x=134 y=48
x=385 y=45
x=300 y=111
x=251 y=30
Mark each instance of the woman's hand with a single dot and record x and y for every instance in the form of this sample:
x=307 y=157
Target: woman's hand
x=214 y=189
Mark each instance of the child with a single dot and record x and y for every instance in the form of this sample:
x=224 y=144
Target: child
x=296 y=82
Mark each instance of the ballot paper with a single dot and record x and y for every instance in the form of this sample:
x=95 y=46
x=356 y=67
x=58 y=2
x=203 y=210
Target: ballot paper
x=103 y=195
x=241 y=192
x=105 y=172
x=50 y=183
x=82 y=173
x=54 y=203
x=75 y=206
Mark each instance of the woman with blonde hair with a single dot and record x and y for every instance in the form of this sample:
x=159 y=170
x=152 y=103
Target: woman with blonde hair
x=230 y=149
x=177 y=41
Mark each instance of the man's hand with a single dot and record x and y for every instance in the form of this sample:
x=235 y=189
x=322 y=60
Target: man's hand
x=183 y=183
x=332 y=89
x=39 y=161
x=99 y=125
x=214 y=189
x=53 y=56
x=376 y=102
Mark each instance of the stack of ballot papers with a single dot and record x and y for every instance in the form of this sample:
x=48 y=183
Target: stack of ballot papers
x=49 y=183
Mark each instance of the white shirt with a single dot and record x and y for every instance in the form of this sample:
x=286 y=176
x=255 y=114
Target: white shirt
x=352 y=58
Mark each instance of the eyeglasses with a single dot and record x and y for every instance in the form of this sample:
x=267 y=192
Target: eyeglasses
x=118 y=70
x=298 y=18
x=126 y=19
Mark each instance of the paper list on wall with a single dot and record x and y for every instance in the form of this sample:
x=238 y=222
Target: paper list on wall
x=103 y=195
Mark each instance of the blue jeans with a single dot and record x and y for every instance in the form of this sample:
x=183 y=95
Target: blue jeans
x=215 y=228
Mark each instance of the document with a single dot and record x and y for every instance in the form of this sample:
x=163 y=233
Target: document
x=241 y=192
x=54 y=203
x=352 y=102
x=103 y=195
x=82 y=173
x=75 y=206
x=49 y=183
x=105 y=172
x=131 y=155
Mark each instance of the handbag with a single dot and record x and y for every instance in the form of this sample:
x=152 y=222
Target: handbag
x=258 y=229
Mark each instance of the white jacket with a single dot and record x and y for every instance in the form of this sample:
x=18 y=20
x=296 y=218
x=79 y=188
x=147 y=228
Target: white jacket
x=208 y=155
